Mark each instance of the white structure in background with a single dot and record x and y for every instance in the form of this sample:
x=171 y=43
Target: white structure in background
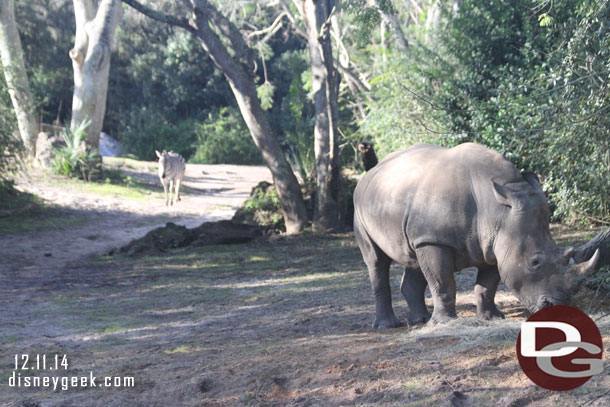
x=109 y=146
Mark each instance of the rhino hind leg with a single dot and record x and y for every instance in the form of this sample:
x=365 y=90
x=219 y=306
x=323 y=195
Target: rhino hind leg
x=413 y=288
x=378 y=264
x=488 y=278
x=437 y=265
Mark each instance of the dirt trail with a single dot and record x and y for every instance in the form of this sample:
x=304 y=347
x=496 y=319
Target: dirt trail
x=209 y=193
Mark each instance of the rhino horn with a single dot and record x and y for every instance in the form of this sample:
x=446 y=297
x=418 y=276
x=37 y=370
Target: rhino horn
x=567 y=256
x=584 y=268
x=579 y=271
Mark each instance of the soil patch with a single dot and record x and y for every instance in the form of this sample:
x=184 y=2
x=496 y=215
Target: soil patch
x=173 y=236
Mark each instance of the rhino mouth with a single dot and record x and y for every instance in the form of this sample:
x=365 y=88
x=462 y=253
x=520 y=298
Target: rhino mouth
x=545 y=301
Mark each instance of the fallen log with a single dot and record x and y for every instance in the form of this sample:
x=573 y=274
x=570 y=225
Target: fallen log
x=601 y=242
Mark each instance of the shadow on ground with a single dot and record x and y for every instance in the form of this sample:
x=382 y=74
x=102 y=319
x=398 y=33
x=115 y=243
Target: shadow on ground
x=283 y=322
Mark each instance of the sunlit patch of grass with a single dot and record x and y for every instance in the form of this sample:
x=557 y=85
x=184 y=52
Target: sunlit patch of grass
x=112 y=328
x=182 y=349
x=134 y=191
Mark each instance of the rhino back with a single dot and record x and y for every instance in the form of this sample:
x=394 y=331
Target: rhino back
x=434 y=195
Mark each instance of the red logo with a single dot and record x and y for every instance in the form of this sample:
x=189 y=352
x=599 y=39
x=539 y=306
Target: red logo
x=560 y=348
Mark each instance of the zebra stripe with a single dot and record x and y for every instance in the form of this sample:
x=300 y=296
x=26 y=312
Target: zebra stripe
x=171 y=167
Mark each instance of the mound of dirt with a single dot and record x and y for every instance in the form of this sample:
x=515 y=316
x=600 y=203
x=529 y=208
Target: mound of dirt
x=173 y=236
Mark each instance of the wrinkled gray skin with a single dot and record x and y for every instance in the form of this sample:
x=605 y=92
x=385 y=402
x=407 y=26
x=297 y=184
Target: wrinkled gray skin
x=437 y=210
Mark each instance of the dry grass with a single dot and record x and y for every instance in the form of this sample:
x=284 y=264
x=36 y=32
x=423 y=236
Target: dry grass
x=271 y=323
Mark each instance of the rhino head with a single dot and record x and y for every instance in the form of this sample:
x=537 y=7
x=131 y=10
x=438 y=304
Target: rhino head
x=530 y=263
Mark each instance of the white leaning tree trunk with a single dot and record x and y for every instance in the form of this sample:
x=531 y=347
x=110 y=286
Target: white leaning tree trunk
x=91 y=63
x=16 y=77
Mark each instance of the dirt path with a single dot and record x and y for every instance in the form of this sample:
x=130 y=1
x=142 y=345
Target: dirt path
x=271 y=323
x=96 y=223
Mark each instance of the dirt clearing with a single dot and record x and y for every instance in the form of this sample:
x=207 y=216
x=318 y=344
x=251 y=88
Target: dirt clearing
x=275 y=322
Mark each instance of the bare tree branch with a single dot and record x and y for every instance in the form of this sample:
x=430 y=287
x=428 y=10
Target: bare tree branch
x=295 y=24
x=272 y=29
x=159 y=16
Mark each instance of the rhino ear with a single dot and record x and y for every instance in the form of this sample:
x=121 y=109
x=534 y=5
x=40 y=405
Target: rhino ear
x=532 y=179
x=501 y=193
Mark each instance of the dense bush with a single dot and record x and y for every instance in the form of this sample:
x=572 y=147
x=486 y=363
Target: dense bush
x=145 y=131
x=497 y=76
x=261 y=208
x=10 y=144
x=223 y=138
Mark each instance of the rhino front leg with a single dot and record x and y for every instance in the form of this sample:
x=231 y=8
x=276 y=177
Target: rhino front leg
x=378 y=264
x=488 y=278
x=437 y=265
x=413 y=288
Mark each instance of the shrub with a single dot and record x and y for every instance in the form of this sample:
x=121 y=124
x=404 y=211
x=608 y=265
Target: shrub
x=144 y=132
x=10 y=145
x=262 y=208
x=74 y=159
x=223 y=138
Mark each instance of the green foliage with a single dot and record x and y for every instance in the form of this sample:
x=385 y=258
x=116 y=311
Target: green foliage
x=529 y=87
x=262 y=208
x=265 y=94
x=145 y=131
x=10 y=144
x=45 y=45
x=367 y=17
x=74 y=159
x=295 y=113
x=223 y=138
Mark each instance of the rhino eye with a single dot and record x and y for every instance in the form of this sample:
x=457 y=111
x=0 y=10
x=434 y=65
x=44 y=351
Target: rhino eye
x=535 y=263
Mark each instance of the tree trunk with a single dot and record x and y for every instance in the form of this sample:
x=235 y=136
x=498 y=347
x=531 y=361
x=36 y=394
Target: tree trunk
x=91 y=63
x=328 y=209
x=237 y=66
x=392 y=21
x=244 y=90
x=16 y=77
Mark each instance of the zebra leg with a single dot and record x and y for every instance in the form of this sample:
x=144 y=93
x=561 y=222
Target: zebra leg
x=164 y=183
x=178 y=182
x=171 y=186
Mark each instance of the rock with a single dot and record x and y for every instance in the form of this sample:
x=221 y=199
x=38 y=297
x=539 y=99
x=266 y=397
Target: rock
x=109 y=146
x=45 y=144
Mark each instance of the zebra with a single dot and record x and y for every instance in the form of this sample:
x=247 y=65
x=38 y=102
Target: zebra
x=171 y=168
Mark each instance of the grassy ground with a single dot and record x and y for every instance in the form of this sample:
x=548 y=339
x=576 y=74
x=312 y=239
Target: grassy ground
x=22 y=212
x=271 y=323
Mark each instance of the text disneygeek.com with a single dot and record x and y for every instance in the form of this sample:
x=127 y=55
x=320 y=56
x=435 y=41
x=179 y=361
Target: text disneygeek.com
x=27 y=369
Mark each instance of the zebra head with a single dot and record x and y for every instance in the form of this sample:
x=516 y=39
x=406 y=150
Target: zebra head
x=163 y=161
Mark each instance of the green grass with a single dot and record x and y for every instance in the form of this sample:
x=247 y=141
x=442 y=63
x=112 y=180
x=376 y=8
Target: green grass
x=133 y=190
x=36 y=220
x=22 y=212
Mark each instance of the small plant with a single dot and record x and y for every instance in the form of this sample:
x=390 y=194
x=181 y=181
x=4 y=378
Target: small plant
x=74 y=159
x=301 y=156
x=262 y=208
